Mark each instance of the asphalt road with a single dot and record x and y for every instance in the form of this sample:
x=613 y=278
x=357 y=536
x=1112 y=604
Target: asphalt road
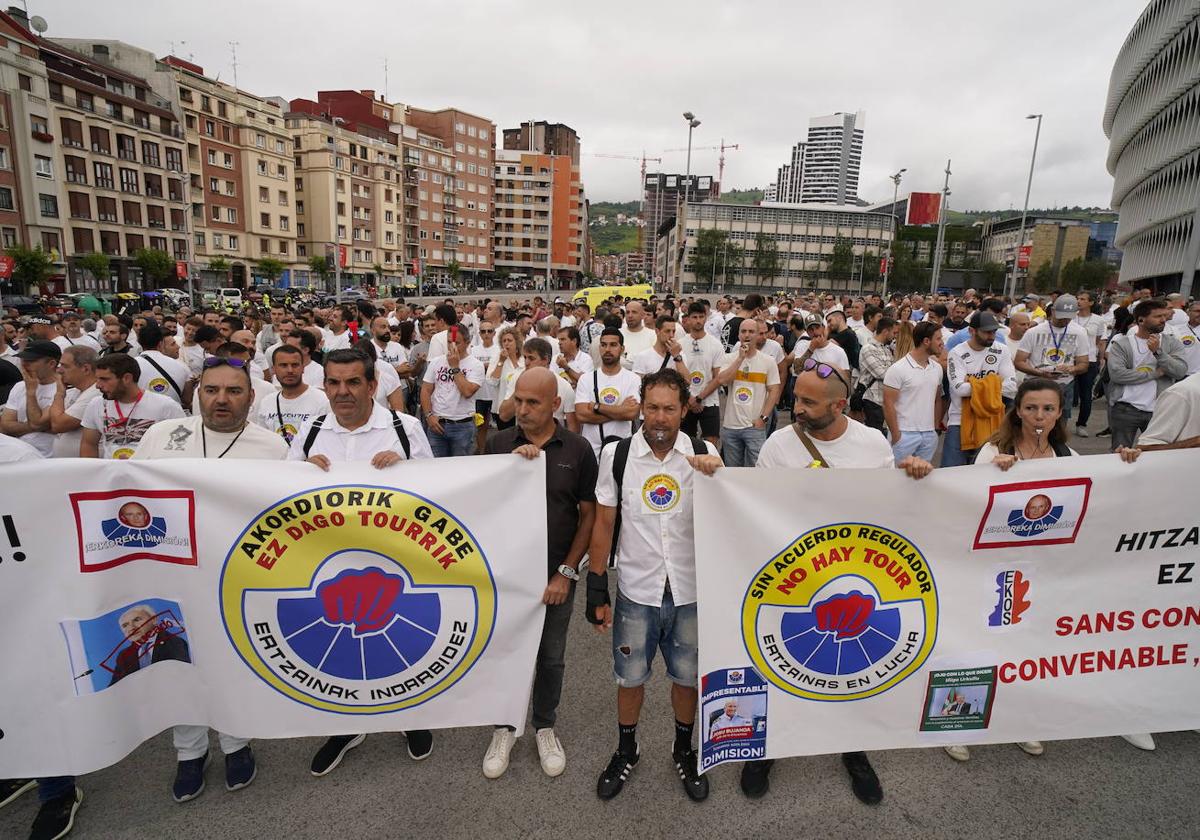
x=1077 y=789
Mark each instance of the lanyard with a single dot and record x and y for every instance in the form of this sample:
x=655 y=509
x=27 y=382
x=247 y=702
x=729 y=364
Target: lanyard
x=122 y=418
x=204 y=442
x=1057 y=339
x=279 y=413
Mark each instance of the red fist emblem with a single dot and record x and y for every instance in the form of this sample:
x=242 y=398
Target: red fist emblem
x=845 y=616
x=365 y=600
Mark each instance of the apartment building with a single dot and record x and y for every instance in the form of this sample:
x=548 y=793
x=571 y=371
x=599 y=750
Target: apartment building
x=24 y=102
x=539 y=215
x=349 y=175
x=546 y=137
x=661 y=196
x=458 y=180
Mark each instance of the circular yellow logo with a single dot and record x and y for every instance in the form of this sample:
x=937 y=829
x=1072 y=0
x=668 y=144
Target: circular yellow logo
x=158 y=385
x=742 y=394
x=846 y=611
x=660 y=492
x=358 y=599
x=123 y=454
x=697 y=377
x=609 y=396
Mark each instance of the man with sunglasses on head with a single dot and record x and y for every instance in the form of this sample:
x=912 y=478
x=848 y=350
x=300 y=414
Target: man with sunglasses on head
x=823 y=437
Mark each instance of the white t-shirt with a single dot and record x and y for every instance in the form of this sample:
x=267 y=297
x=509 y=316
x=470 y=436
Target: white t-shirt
x=1189 y=337
x=651 y=361
x=614 y=390
x=1095 y=328
x=566 y=397
x=13 y=450
x=1143 y=394
x=342 y=446
x=447 y=400
x=748 y=391
x=294 y=411
x=773 y=349
x=636 y=342
x=388 y=383
x=187 y=438
x=1049 y=346
x=393 y=353
x=90 y=342
x=122 y=427
x=193 y=357
x=582 y=364
x=43 y=442
x=314 y=374
x=336 y=342
x=964 y=364
x=507 y=382
x=858 y=447
x=831 y=354
x=486 y=356
x=918 y=387
x=75 y=403
x=988 y=452
x=701 y=356
x=153 y=381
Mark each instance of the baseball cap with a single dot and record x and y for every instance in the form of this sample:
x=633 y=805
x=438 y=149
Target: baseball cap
x=814 y=320
x=40 y=350
x=1030 y=298
x=38 y=319
x=1066 y=305
x=984 y=321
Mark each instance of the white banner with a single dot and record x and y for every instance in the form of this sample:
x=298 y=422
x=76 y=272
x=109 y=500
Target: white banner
x=850 y=610
x=266 y=600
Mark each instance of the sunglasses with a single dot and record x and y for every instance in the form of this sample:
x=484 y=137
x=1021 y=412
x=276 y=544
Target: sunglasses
x=223 y=361
x=825 y=371
x=487 y=332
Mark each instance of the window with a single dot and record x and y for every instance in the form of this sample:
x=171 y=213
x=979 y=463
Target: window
x=260 y=140
x=48 y=206
x=226 y=134
x=221 y=112
x=100 y=140
x=300 y=207
x=8 y=237
x=280 y=148
x=212 y=157
x=205 y=103
x=43 y=166
x=264 y=194
x=264 y=245
x=216 y=214
x=459 y=147
x=3 y=158
x=126 y=148
x=264 y=219
x=150 y=154
x=175 y=160
x=198 y=239
x=231 y=215
x=460 y=128
x=25 y=83
x=218 y=240
x=262 y=167
x=228 y=161
x=300 y=229
x=283 y=198
x=284 y=223
x=283 y=247
x=230 y=188
x=72 y=133
x=85 y=101
x=155 y=217
x=302 y=250
x=210 y=128
x=154 y=186
x=132 y=211
x=470 y=131
x=104 y=175
x=80 y=206
x=6 y=199
x=214 y=185
x=106 y=208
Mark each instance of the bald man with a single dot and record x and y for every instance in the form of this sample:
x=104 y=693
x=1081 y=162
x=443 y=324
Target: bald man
x=246 y=339
x=570 y=511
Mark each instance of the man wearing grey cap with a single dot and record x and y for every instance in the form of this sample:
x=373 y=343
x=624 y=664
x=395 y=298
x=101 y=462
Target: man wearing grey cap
x=39 y=362
x=968 y=365
x=1056 y=349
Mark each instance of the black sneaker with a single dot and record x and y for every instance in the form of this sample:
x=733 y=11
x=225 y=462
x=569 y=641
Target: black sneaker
x=189 y=779
x=10 y=789
x=240 y=769
x=863 y=780
x=756 y=778
x=333 y=751
x=420 y=744
x=694 y=785
x=56 y=816
x=614 y=775
x=1105 y=432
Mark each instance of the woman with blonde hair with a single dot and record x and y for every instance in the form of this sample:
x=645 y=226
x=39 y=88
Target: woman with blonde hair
x=506 y=368
x=904 y=339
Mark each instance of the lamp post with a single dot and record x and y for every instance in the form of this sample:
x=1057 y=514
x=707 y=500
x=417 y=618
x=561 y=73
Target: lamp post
x=687 y=194
x=887 y=265
x=1024 y=210
x=941 y=236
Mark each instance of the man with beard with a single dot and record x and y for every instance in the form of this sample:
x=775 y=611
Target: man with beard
x=296 y=401
x=824 y=437
x=1141 y=364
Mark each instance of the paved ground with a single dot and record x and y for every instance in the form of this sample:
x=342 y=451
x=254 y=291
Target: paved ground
x=1078 y=789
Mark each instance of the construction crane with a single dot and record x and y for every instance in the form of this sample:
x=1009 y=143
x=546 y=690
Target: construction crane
x=720 y=161
x=642 y=157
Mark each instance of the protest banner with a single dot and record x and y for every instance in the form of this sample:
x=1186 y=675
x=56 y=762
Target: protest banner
x=847 y=610
x=264 y=600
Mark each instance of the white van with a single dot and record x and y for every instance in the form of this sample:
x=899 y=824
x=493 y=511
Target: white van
x=229 y=298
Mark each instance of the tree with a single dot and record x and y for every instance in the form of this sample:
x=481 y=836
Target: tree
x=715 y=255
x=841 y=261
x=378 y=269
x=765 y=262
x=992 y=276
x=870 y=269
x=1045 y=278
x=155 y=264
x=270 y=268
x=906 y=274
x=1080 y=274
x=319 y=266
x=454 y=270
x=97 y=265
x=31 y=267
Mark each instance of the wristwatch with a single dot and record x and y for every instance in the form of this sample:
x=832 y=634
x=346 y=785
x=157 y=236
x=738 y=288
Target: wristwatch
x=596 y=407
x=567 y=572
x=677 y=358
x=454 y=371
x=764 y=417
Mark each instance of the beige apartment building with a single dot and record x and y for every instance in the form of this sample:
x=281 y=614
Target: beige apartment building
x=539 y=221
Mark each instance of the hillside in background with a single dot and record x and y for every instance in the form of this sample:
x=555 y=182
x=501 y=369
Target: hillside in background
x=742 y=196
x=1086 y=214
x=613 y=238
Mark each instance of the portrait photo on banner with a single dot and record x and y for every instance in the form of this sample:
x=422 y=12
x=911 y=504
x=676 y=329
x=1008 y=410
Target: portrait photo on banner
x=108 y=648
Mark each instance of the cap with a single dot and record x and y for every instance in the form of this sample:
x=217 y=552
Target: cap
x=70 y=315
x=559 y=300
x=39 y=319
x=984 y=321
x=1065 y=305
x=40 y=350
x=814 y=320
x=1030 y=297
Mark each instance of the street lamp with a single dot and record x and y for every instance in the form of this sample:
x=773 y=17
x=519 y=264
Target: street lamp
x=941 y=236
x=687 y=189
x=1025 y=210
x=887 y=265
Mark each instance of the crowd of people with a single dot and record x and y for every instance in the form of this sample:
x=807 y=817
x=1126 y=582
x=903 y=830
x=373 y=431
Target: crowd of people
x=611 y=397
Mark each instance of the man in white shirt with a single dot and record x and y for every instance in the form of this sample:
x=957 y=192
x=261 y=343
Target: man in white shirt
x=191 y=353
x=977 y=358
x=912 y=395
x=819 y=347
x=339 y=337
x=75 y=388
x=386 y=350
x=753 y=381
x=448 y=396
x=537 y=354
x=306 y=343
x=1178 y=305
x=665 y=352
x=114 y=424
x=1189 y=336
x=607 y=400
x=296 y=401
x=637 y=336
x=656 y=583
x=160 y=373
x=73 y=334
x=25 y=413
x=714 y=325
x=1141 y=364
x=1056 y=349
x=703 y=356
x=444 y=317
x=1176 y=421
x=571 y=362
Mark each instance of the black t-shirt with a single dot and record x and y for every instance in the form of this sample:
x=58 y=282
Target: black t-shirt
x=10 y=375
x=729 y=332
x=848 y=340
x=571 y=472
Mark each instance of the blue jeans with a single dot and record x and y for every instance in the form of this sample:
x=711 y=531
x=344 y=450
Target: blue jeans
x=640 y=630
x=1084 y=383
x=953 y=454
x=456 y=439
x=921 y=444
x=742 y=446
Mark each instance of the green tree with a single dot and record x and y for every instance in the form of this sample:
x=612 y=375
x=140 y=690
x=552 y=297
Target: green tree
x=906 y=274
x=870 y=269
x=378 y=269
x=765 y=262
x=1080 y=274
x=155 y=264
x=992 y=276
x=269 y=268
x=97 y=265
x=841 y=261
x=319 y=266
x=31 y=268
x=454 y=270
x=715 y=256
x=1045 y=278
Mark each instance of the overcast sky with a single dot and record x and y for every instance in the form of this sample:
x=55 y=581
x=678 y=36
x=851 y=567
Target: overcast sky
x=937 y=79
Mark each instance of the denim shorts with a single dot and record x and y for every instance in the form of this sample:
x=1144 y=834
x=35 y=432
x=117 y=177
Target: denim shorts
x=638 y=630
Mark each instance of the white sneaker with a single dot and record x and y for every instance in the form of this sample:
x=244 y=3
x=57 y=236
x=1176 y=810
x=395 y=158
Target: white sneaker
x=958 y=752
x=550 y=751
x=1032 y=747
x=1081 y=432
x=495 y=760
x=1142 y=741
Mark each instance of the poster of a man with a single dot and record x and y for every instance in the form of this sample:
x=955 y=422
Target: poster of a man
x=1037 y=507
x=151 y=638
x=109 y=648
x=729 y=719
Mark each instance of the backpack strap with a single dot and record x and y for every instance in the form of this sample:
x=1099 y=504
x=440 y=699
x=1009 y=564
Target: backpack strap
x=170 y=380
x=1061 y=450
x=817 y=457
x=313 y=431
x=699 y=447
x=596 y=399
x=620 y=459
x=398 y=425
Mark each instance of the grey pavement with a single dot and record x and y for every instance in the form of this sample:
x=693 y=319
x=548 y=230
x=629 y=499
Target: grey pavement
x=1078 y=789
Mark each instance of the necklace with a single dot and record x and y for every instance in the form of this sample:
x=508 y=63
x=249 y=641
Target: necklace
x=204 y=441
x=1037 y=450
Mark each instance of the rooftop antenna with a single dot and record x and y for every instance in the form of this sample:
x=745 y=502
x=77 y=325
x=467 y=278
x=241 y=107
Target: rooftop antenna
x=233 y=45
x=385 y=80
x=37 y=23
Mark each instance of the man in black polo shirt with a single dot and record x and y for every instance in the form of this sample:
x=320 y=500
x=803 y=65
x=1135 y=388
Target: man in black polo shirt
x=570 y=511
